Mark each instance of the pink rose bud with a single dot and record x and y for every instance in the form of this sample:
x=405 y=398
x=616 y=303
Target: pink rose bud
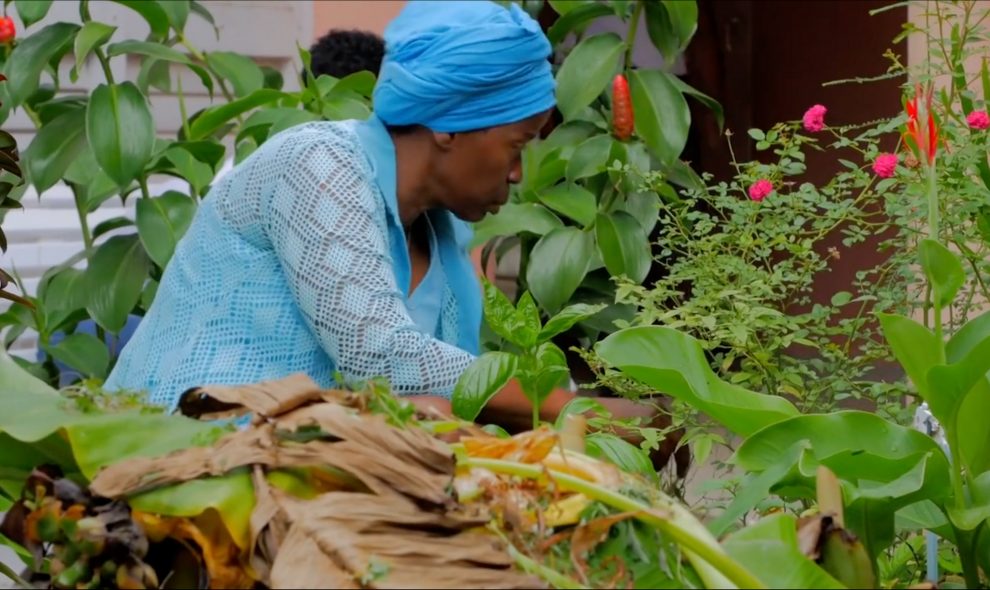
x=978 y=120
x=814 y=118
x=760 y=189
x=885 y=165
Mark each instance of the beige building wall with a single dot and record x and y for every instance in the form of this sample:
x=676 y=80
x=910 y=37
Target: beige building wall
x=369 y=15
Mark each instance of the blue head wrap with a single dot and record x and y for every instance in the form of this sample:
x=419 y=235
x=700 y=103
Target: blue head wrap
x=455 y=66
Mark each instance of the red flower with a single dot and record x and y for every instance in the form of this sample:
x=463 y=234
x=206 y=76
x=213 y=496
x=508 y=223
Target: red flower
x=7 y=30
x=922 y=133
x=885 y=165
x=978 y=120
x=760 y=189
x=814 y=118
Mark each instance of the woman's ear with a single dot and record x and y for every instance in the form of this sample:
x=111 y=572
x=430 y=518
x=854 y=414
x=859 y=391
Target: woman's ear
x=444 y=141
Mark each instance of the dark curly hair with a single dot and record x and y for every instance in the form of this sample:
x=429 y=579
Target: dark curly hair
x=341 y=52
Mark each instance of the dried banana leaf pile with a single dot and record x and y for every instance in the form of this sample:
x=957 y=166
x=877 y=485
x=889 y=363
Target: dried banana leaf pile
x=347 y=490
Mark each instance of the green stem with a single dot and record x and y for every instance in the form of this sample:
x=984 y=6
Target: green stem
x=104 y=63
x=631 y=35
x=16 y=579
x=182 y=108
x=550 y=576
x=694 y=542
x=143 y=181
x=87 y=236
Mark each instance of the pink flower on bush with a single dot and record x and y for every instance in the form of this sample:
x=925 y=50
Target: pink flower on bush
x=885 y=164
x=760 y=189
x=978 y=120
x=814 y=118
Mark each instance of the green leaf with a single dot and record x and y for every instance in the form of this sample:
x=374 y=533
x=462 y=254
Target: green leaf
x=770 y=542
x=213 y=118
x=963 y=390
x=662 y=114
x=92 y=35
x=675 y=364
x=161 y=52
x=579 y=405
x=590 y=158
x=566 y=318
x=264 y=123
x=54 y=148
x=114 y=279
x=32 y=11
x=887 y=461
x=243 y=73
x=574 y=17
x=153 y=14
x=344 y=109
x=755 y=488
x=515 y=218
x=485 y=377
x=201 y=11
x=85 y=353
x=576 y=202
x=199 y=174
x=161 y=222
x=624 y=246
x=683 y=16
x=30 y=57
x=177 y=12
x=709 y=102
x=660 y=28
x=943 y=269
x=620 y=453
x=586 y=72
x=358 y=84
x=111 y=224
x=120 y=130
x=558 y=264
x=500 y=315
x=527 y=322
x=916 y=348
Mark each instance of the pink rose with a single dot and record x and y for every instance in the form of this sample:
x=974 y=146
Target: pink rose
x=814 y=118
x=760 y=189
x=978 y=120
x=885 y=164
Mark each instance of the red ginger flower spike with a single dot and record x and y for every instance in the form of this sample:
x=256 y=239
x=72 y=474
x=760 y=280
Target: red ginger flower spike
x=922 y=132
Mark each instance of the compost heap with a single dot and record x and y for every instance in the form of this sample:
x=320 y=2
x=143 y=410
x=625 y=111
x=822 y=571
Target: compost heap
x=377 y=503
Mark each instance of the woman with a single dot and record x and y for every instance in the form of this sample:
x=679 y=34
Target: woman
x=342 y=247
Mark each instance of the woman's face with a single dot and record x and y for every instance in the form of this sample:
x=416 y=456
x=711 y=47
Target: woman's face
x=475 y=169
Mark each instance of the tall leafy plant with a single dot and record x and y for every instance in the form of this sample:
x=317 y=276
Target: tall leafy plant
x=104 y=145
x=582 y=214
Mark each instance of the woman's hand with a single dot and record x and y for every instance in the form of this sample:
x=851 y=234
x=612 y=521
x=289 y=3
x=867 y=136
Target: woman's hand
x=431 y=405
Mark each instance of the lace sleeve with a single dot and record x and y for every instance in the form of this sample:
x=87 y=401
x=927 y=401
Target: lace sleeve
x=326 y=226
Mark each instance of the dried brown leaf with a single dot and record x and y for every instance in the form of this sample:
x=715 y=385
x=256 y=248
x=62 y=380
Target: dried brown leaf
x=587 y=536
x=268 y=398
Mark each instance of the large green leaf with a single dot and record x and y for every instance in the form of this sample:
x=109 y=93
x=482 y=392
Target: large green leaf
x=485 y=377
x=244 y=75
x=85 y=353
x=120 y=130
x=114 y=279
x=31 y=11
x=199 y=174
x=262 y=122
x=161 y=222
x=624 y=246
x=590 y=157
x=703 y=98
x=177 y=12
x=574 y=17
x=683 y=19
x=674 y=363
x=576 y=202
x=943 y=269
x=92 y=35
x=558 y=264
x=770 y=543
x=660 y=28
x=157 y=51
x=586 y=72
x=153 y=14
x=662 y=114
x=916 y=348
x=54 y=148
x=566 y=318
x=548 y=373
x=515 y=218
x=964 y=392
x=213 y=118
x=30 y=57
x=518 y=326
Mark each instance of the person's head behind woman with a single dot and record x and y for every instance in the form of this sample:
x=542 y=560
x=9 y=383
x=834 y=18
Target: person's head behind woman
x=473 y=79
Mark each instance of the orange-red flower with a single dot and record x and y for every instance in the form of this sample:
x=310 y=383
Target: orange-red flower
x=922 y=131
